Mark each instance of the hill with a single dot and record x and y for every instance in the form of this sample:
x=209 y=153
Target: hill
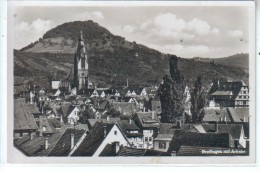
x=237 y=60
x=111 y=58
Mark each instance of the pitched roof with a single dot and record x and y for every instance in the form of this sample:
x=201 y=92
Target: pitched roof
x=216 y=115
x=54 y=123
x=92 y=141
x=233 y=129
x=109 y=150
x=146 y=120
x=164 y=137
x=226 y=88
x=32 y=146
x=199 y=139
x=124 y=124
x=167 y=128
x=128 y=151
x=127 y=127
x=65 y=110
x=103 y=105
x=43 y=122
x=239 y=114
x=23 y=118
x=125 y=107
x=63 y=145
x=20 y=89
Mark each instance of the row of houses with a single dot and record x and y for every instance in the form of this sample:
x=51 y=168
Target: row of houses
x=117 y=137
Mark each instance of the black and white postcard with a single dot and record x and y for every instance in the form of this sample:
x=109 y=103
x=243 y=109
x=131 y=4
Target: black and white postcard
x=131 y=82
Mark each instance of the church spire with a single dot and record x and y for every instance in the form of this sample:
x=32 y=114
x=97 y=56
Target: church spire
x=81 y=65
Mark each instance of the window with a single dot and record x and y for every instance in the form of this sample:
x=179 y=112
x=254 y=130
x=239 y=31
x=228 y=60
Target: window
x=162 y=145
x=240 y=97
x=115 y=132
x=150 y=138
x=146 y=139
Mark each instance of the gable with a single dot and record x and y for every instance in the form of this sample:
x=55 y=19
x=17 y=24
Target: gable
x=114 y=135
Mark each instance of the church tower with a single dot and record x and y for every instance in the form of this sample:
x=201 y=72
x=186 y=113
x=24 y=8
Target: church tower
x=81 y=65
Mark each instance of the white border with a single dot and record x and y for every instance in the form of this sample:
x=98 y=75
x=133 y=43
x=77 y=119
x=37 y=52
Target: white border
x=13 y=156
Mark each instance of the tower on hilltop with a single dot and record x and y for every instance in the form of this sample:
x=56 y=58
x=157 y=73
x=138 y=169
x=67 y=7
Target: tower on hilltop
x=81 y=65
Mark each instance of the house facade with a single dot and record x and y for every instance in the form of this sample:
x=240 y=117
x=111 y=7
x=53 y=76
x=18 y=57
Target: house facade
x=230 y=94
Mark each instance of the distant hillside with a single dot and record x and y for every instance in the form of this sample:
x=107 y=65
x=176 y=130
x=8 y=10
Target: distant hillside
x=111 y=58
x=237 y=60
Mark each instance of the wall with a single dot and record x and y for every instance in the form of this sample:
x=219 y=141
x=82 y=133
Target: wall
x=111 y=137
x=55 y=84
x=156 y=145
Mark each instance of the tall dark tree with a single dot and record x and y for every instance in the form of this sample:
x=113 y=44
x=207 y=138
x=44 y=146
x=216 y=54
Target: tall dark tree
x=198 y=101
x=172 y=93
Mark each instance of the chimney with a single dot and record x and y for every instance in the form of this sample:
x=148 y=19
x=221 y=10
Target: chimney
x=144 y=109
x=105 y=131
x=31 y=136
x=61 y=119
x=179 y=124
x=31 y=98
x=127 y=82
x=216 y=127
x=218 y=82
x=46 y=144
x=72 y=140
x=117 y=147
x=130 y=121
x=153 y=115
x=108 y=119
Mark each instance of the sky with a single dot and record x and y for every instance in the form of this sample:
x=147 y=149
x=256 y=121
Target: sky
x=186 y=31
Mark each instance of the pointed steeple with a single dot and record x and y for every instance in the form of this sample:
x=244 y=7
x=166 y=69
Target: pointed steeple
x=81 y=64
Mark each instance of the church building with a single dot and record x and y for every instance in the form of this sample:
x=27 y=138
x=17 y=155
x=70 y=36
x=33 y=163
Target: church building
x=81 y=65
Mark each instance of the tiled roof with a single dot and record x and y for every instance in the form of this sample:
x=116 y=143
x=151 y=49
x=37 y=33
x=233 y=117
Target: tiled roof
x=165 y=137
x=125 y=107
x=43 y=122
x=65 y=110
x=216 y=114
x=20 y=89
x=233 y=129
x=103 y=105
x=54 y=123
x=127 y=126
x=92 y=122
x=127 y=151
x=226 y=88
x=92 y=141
x=23 y=118
x=189 y=128
x=167 y=128
x=31 y=147
x=199 y=139
x=63 y=146
x=239 y=114
x=109 y=150
x=146 y=120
